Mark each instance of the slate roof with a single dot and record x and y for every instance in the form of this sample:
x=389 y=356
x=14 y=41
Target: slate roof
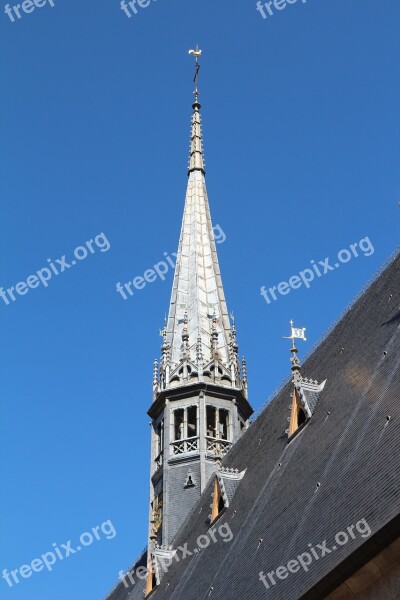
x=344 y=466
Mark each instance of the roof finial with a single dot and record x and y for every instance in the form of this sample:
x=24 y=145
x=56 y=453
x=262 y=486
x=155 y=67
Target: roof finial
x=155 y=376
x=163 y=334
x=299 y=334
x=233 y=342
x=196 y=53
x=199 y=350
x=165 y=355
x=196 y=159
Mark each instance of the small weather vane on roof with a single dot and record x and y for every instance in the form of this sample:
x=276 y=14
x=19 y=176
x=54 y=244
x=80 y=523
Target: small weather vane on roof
x=297 y=333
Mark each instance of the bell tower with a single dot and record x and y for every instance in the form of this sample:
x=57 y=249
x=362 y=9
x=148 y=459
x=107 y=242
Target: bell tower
x=200 y=405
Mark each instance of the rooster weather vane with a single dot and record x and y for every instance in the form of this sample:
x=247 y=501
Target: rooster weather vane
x=196 y=53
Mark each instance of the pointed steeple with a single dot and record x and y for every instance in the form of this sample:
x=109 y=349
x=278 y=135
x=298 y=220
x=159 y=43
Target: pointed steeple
x=198 y=315
x=200 y=405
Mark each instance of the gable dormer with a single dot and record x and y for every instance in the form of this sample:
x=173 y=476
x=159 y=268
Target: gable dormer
x=306 y=395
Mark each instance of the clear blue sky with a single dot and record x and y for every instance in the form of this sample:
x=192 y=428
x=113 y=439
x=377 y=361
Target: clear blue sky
x=301 y=127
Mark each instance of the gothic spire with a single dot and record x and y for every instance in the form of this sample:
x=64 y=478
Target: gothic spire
x=198 y=309
x=200 y=405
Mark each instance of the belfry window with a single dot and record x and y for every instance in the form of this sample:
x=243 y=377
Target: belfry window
x=179 y=424
x=211 y=421
x=192 y=421
x=218 y=423
x=185 y=423
x=223 y=424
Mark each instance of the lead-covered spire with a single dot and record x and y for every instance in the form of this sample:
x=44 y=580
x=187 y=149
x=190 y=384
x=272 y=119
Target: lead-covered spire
x=198 y=322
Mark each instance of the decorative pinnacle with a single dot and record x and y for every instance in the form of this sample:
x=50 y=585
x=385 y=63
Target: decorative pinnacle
x=165 y=347
x=234 y=343
x=185 y=332
x=244 y=369
x=163 y=333
x=155 y=372
x=199 y=350
x=299 y=334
